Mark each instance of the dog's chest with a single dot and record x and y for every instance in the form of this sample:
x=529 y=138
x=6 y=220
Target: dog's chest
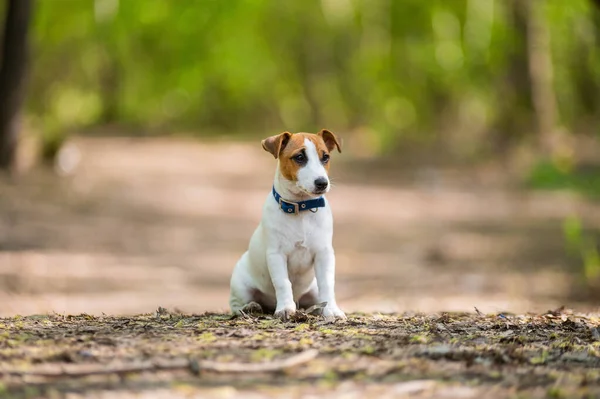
x=301 y=244
x=300 y=258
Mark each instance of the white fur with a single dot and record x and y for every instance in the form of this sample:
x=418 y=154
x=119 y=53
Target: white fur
x=289 y=256
x=311 y=171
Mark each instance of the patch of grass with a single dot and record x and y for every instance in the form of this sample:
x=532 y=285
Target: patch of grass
x=179 y=324
x=419 y=339
x=368 y=350
x=265 y=354
x=302 y=327
x=306 y=341
x=541 y=359
x=207 y=337
x=556 y=393
x=326 y=331
x=551 y=176
x=583 y=247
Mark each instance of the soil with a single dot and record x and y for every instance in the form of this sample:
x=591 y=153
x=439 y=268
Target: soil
x=455 y=355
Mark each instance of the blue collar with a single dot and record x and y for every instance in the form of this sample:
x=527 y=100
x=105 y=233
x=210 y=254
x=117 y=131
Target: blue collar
x=297 y=207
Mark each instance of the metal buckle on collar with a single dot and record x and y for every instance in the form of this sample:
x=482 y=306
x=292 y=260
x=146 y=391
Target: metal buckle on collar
x=296 y=207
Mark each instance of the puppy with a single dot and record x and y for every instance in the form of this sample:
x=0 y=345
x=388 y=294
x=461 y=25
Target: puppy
x=290 y=262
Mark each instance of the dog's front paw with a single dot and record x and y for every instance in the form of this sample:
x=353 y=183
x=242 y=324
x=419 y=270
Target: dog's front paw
x=333 y=313
x=284 y=313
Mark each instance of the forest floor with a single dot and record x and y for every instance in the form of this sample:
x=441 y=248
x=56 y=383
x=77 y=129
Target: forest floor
x=447 y=355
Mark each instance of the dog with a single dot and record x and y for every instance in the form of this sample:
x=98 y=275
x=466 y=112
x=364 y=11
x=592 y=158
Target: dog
x=290 y=261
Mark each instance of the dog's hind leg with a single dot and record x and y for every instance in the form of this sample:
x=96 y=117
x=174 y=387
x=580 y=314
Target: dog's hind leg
x=239 y=304
x=252 y=308
x=241 y=297
x=241 y=300
x=248 y=306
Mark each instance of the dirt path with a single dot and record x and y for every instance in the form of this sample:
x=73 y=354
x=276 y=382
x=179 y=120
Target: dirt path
x=448 y=355
x=155 y=222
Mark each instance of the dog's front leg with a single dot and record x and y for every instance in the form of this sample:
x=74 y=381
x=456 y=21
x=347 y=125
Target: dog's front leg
x=277 y=264
x=325 y=274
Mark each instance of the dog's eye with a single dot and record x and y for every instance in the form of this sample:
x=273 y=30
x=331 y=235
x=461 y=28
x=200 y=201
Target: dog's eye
x=325 y=158
x=300 y=158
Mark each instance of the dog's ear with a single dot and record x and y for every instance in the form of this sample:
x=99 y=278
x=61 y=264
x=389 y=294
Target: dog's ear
x=275 y=144
x=330 y=139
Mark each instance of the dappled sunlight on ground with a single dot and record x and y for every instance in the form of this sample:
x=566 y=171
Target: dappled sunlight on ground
x=144 y=223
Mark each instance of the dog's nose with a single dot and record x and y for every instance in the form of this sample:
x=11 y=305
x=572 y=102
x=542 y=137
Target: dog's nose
x=321 y=183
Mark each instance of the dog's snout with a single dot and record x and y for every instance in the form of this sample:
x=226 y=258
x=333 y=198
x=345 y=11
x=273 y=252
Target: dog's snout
x=321 y=183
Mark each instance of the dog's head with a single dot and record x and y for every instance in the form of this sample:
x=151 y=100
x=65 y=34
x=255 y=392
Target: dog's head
x=304 y=158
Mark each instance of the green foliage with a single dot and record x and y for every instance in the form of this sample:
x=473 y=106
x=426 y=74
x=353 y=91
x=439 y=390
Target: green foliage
x=583 y=247
x=393 y=70
x=552 y=176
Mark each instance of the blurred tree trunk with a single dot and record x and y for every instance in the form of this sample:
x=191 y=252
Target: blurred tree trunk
x=515 y=107
x=541 y=75
x=585 y=79
x=595 y=87
x=110 y=75
x=12 y=76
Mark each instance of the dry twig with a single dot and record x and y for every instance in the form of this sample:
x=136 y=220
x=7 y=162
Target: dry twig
x=178 y=364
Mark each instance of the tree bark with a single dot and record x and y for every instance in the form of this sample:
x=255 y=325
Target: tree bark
x=542 y=75
x=515 y=108
x=12 y=76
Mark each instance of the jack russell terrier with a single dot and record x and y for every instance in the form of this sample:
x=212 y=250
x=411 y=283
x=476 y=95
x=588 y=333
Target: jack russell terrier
x=290 y=262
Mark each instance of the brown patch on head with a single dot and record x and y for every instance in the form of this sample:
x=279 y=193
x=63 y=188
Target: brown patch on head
x=287 y=164
x=287 y=147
